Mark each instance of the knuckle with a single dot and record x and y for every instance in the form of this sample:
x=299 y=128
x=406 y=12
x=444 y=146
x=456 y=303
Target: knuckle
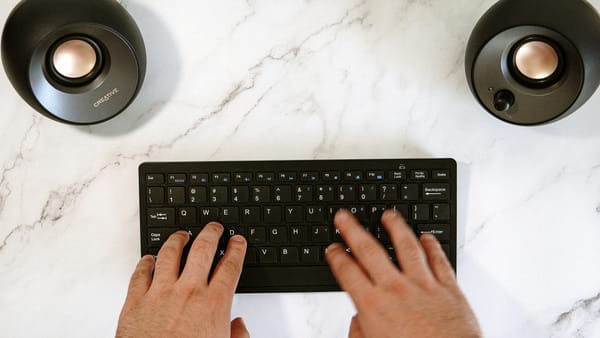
x=168 y=252
x=202 y=244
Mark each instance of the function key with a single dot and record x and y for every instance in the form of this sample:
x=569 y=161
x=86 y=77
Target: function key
x=242 y=177
x=265 y=177
x=331 y=176
x=441 y=174
x=353 y=175
x=419 y=174
x=309 y=176
x=221 y=178
x=176 y=178
x=375 y=175
x=287 y=176
x=198 y=178
x=152 y=179
x=397 y=175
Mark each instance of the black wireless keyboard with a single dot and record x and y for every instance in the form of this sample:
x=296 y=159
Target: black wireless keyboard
x=285 y=209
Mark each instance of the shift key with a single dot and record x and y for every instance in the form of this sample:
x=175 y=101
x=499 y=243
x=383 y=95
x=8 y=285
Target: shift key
x=161 y=216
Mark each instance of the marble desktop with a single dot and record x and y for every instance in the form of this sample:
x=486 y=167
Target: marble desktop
x=293 y=79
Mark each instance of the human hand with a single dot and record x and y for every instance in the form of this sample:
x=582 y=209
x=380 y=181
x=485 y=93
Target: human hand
x=421 y=300
x=170 y=305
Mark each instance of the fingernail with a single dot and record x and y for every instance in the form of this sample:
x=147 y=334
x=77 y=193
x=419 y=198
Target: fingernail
x=219 y=225
x=342 y=215
x=183 y=232
x=238 y=238
x=389 y=214
x=333 y=246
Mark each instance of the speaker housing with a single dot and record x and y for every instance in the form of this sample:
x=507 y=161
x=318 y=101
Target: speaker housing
x=32 y=33
x=572 y=27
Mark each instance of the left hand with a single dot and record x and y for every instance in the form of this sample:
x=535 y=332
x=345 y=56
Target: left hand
x=170 y=305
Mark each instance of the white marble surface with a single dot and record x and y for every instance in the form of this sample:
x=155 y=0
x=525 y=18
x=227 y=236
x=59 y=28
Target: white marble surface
x=292 y=79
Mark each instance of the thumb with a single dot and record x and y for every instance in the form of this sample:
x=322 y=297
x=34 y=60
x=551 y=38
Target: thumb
x=238 y=329
x=355 y=331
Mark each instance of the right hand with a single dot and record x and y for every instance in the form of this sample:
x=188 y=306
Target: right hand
x=421 y=300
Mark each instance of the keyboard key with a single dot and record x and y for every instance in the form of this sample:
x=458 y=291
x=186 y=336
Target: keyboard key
x=282 y=193
x=320 y=234
x=367 y=192
x=155 y=179
x=199 y=178
x=376 y=211
x=288 y=176
x=197 y=195
x=221 y=178
x=361 y=213
x=346 y=193
x=261 y=194
x=242 y=177
x=208 y=215
x=410 y=192
x=186 y=216
x=240 y=194
x=267 y=255
x=157 y=237
x=315 y=214
x=375 y=175
x=333 y=176
x=218 y=195
x=251 y=215
x=289 y=255
x=435 y=191
x=311 y=176
x=397 y=175
x=419 y=174
x=229 y=215
x=278 y=234
x=256 y=235
x=440 y=174
x=265 y=177
x=304 y=193
x=388 y=192
x=353 y=175
x=156 y=195
x=176 y=178
x=325 y=193
x=441 y=212
x=250 y=256
x=310 y=255
x=176 y=195
x=272 y=214
x=440 y=231
x=294 y=214
x=402 y=209
x=161 y=216
x=298 y=233
x=420 y=212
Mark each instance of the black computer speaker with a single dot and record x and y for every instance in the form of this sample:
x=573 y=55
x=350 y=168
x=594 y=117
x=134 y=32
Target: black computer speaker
x=531 y=62
x=77 y=62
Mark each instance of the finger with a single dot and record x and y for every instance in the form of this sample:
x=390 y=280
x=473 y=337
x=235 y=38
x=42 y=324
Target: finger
x=227 y=272
x=409 y=252
x=201 y=255
x=166 y=269
x=347 y=272
x=355 y=331
x=238 y=329
x=365 y=248
x=140 y=281
x=438 y=261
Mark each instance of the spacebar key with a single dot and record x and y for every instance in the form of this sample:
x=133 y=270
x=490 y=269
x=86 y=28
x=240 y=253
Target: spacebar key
x=301 y=278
